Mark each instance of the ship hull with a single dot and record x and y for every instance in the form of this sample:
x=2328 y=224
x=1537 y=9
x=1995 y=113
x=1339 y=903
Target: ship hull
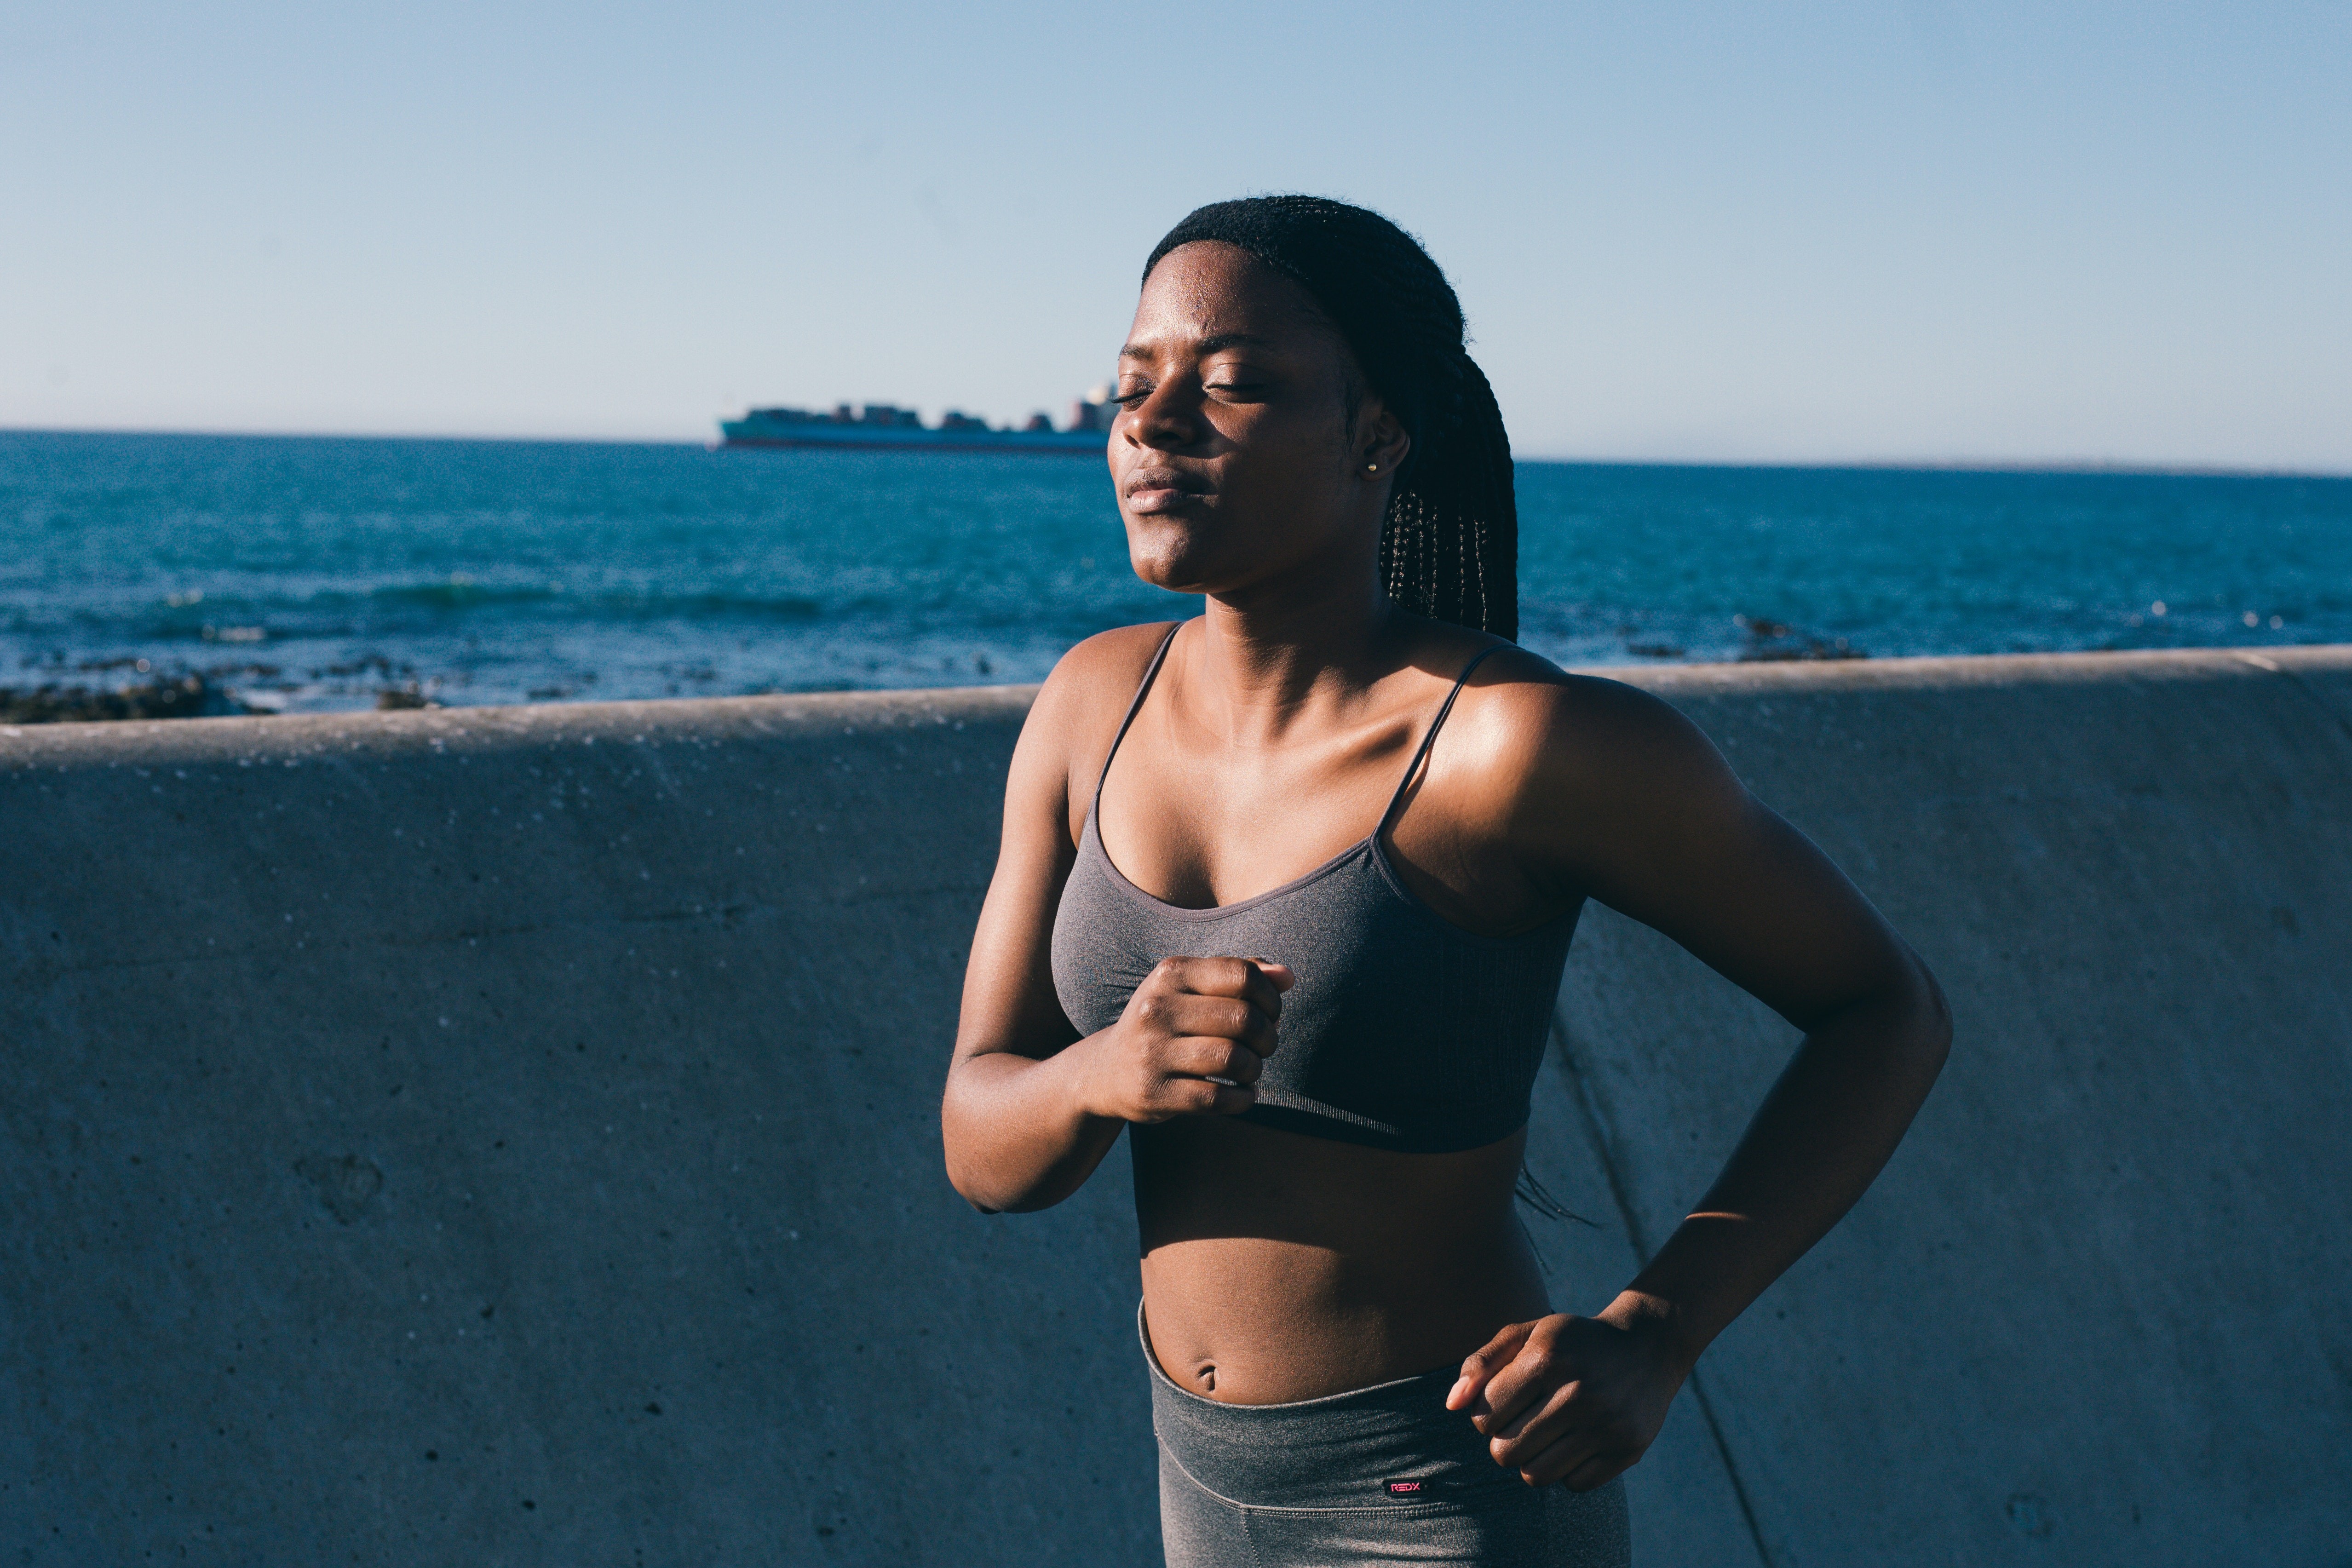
x=860 y=438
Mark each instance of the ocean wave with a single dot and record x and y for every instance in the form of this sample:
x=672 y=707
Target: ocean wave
x=599 y=603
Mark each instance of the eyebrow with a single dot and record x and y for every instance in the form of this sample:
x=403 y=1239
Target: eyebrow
x=1217 y=344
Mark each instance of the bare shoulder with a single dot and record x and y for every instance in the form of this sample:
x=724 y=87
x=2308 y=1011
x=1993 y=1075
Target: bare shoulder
x=1069 y=729
x=1542 y=734
x=1099 y=672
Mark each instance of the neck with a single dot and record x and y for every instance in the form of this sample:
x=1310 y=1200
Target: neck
x=1270 y=653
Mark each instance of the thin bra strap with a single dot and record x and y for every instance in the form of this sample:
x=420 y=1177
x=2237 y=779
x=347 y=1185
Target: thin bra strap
x=1430 y=739
x=1150 y=672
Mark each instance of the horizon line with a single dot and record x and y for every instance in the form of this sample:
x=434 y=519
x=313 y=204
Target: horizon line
x=1952 y=464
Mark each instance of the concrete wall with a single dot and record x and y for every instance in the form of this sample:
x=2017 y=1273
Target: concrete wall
x=507 y=1136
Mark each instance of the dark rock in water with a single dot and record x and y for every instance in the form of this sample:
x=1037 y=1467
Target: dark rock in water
x=394 y=698
x=1765 y=645
x=1811 y=648
x=188 y=696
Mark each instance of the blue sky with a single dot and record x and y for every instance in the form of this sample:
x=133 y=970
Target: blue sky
x=1880 y=232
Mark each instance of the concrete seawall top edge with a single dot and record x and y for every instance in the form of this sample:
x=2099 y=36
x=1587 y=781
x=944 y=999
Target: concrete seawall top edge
x=1984 y=670
x=288 y=739
x=458 y=730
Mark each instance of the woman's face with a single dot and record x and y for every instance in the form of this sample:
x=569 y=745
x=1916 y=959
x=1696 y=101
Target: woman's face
x=1235 y=459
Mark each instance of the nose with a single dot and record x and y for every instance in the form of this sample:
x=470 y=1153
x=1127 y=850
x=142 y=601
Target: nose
x=1167 y=420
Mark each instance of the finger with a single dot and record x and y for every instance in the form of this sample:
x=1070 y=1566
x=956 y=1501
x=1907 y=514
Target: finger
x=1263 y=993
x=1215 y=977
x=1560 y=1416
x=1200 y=1097
x=1251 y=979
x=1538 y=1369
x=1598 y=1470
x=1213 y=1056
x=1228 y=1017
x=1547 y=1415
x=1260 y=990
x=1484 y=1362
x=1574 y=1455
x=1557 y=1440
x=1281 y=976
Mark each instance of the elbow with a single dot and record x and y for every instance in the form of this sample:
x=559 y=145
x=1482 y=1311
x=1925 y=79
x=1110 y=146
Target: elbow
x=1931 y=1015
x=1900 y=1017
x=988 y=1198
x=988 y=1191
x=964 y=1175
x=1021 y=1204
x=969 y=1191
x=964 y=1153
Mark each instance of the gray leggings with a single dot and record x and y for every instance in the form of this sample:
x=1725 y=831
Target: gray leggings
x=1385 y=1474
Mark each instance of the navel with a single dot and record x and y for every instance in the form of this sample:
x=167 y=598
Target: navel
x=1208 y=1376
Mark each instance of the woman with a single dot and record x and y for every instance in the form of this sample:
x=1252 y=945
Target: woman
x=1285 y=892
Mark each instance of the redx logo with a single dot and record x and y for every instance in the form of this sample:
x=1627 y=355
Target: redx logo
x=1406 y=1489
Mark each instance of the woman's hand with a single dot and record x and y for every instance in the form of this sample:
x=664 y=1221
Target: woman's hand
x=1572 y=1399
x=1192 y=1041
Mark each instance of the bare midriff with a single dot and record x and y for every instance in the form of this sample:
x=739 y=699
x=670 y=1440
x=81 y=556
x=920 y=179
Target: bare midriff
x=1278 y=1267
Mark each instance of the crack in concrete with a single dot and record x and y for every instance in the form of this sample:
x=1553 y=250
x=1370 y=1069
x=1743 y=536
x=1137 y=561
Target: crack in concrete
x=1605 y=1148
x=2295 y=678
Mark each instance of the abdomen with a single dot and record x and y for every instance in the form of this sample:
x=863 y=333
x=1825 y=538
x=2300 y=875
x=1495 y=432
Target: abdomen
x=1278 y=1267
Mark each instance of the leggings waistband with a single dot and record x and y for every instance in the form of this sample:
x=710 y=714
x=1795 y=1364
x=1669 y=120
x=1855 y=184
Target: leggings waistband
x=1340 y=1450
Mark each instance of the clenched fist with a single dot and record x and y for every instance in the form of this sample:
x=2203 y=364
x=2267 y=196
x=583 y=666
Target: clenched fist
x=1192 y=1042
x=1570 y=1399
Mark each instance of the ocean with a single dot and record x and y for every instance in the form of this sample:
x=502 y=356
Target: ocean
x=311 y=573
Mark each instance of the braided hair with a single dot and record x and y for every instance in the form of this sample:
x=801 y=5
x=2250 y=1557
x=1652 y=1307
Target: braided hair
x=1450 y=541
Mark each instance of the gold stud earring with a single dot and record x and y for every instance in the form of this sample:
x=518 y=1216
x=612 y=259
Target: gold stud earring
x=1371 y=467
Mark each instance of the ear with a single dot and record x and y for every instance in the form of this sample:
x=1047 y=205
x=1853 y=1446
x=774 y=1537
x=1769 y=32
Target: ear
x=1382 y=443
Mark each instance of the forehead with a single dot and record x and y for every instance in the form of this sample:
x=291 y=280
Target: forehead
x=1210 y=290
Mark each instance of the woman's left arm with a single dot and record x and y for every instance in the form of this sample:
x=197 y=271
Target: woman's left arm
x=1629 y=804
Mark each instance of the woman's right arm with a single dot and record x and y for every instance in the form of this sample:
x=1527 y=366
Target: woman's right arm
x=1030 y=1108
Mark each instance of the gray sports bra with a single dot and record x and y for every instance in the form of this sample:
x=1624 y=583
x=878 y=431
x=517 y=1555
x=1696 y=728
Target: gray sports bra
x=1404 y=1031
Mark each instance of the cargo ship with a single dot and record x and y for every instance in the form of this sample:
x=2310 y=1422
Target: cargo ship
x=881 y=426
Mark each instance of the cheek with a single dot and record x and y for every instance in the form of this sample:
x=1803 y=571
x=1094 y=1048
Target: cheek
x=1293 y=459
x=1297 y=499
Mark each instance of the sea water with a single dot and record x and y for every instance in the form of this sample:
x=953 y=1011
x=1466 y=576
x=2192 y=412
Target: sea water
x=314 y=573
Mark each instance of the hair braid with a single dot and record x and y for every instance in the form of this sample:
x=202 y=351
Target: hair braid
x=1449 y=544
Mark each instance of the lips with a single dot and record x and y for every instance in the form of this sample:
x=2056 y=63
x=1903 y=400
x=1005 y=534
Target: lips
x=1162 y=490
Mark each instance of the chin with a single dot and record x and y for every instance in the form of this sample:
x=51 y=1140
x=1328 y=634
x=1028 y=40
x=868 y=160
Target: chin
x=1175 y=576
x=1170 y=555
